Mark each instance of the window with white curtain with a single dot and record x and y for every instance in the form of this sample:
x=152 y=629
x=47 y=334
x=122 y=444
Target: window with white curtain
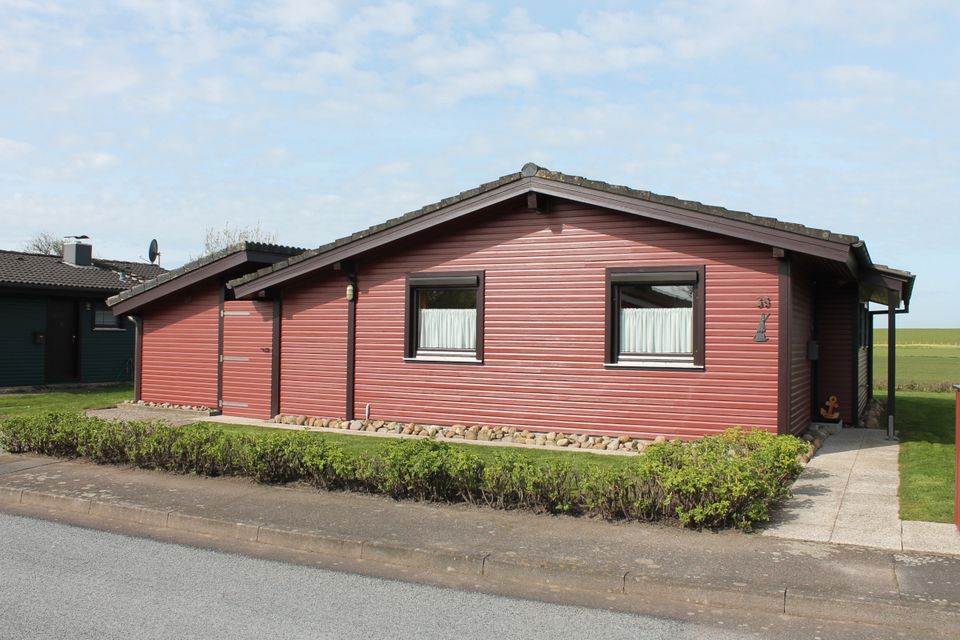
x=444 y=316
x=655 y=316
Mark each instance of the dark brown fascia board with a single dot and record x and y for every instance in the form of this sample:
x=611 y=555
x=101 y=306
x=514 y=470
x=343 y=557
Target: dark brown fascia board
x=820 y=247
x=191 y=278
x=48 y=289
x=381 y=238
x=824 y=248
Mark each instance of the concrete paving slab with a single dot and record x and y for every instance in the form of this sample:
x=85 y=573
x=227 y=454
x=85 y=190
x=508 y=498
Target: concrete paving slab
x=885 y=487
x=868 y=537
x=868 y=520
x=937 y=537
x=176 y=417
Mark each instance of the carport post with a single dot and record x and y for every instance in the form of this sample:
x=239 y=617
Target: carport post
x=892 y=304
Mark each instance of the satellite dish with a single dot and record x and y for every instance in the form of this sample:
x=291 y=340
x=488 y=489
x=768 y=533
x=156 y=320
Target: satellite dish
x=154 y=251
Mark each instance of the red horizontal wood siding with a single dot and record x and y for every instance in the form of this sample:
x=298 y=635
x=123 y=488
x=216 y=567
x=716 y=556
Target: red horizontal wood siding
x=836 y=309
x=801 y=368
x=544 y=329
x=181 y=348
x=313 y=347
x=247 y=358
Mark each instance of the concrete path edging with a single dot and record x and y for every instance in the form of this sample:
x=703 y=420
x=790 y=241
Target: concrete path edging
x=507 y=567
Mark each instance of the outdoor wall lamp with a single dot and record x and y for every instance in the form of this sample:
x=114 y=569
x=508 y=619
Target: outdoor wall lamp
x=350 y=291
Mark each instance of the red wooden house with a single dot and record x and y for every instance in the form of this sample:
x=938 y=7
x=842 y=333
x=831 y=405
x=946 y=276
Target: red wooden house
x=540 y=300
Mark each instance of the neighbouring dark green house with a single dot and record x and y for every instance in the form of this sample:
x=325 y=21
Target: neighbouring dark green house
x=54 y=325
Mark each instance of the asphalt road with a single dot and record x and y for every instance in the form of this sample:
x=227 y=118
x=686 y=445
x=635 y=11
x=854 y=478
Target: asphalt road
x=59 y=581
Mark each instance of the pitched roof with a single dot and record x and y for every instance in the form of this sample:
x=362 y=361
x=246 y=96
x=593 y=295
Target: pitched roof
x=532 y=178
x=23 y=269
x=252 y=250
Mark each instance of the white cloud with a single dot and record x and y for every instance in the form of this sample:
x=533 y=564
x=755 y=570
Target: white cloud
x=103 y=78
x=276 y=156
x=94 y=160
x=861 y=77
x=299 y=15
x=12 y=149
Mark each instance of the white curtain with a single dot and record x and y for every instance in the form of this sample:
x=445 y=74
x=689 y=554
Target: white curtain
x=656 y=330
x=448 y=328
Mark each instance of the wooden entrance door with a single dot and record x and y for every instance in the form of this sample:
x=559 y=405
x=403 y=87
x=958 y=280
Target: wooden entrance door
x=247 y=358
x=61 y=341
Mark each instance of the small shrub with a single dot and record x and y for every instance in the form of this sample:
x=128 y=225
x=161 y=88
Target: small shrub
x=728 y=479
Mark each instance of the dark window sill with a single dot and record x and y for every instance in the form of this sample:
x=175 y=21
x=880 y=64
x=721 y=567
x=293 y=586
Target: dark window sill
x=436 y=360
x=655 y=367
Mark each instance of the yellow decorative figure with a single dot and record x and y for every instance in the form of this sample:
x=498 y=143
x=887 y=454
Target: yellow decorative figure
x=830 y=410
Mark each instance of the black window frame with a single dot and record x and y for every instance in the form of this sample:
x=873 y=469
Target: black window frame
x=440 y=280
x=117 y=324
x=659 y=275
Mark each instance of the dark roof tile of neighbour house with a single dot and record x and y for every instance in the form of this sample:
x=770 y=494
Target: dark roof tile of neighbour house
x=36 y=270
x=533 y=178
x=246 y=248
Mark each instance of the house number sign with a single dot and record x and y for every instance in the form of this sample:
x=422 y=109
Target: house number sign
x=763 y=302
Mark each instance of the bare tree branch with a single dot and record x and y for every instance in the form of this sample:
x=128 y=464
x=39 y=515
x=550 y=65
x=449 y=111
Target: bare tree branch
x=218 y=239
x=45 y=242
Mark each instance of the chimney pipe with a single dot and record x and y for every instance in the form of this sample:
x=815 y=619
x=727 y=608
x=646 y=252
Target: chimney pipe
x=77 y=253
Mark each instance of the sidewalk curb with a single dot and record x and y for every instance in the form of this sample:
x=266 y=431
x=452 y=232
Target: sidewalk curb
x=507 y=567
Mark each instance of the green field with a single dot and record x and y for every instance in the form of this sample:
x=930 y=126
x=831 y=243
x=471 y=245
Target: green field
x=25 y=404
x=927 y=359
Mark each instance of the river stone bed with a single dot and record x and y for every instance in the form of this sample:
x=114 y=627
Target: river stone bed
x=816 y=437
x=168 y=405
x=514 y=435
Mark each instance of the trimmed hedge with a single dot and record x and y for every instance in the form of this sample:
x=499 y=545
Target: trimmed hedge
x=730 y=479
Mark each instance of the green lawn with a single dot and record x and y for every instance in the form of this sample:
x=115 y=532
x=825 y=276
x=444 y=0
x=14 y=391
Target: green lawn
x=927 y=455
x=369 y=444
x=927 y=359
x=24 y=404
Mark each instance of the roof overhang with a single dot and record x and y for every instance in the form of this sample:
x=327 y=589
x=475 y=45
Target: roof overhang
x=172 y=282
x=876 y=281
x=805 y=243
x=59 y=288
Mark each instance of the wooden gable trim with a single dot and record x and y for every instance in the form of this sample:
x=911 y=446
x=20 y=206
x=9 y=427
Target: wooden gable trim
x=383 y=237
x=779 y=238
x=193 y=277
x=831 y=250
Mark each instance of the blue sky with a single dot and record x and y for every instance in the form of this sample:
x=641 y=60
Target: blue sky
x=140 y=119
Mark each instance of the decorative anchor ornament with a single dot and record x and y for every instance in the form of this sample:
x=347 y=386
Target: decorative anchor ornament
x=829 y=411
x=761 y=335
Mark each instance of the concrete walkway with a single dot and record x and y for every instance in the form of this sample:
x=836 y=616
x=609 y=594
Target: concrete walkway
x=848 y=495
